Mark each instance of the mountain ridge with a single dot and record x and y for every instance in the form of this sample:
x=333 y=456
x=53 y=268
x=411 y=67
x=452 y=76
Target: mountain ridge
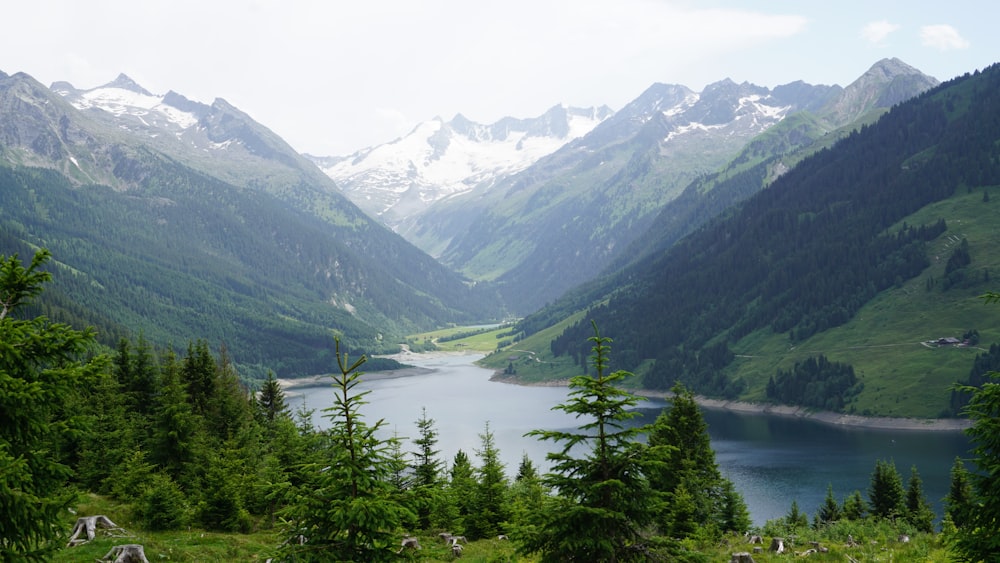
x=598 y=194
x=439 y=159
x=213 y=207
x=847 y=257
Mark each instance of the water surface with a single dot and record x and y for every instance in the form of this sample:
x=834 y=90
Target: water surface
x=771 y=459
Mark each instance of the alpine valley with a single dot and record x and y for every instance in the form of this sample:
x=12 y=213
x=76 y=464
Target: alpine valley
x=804 y=244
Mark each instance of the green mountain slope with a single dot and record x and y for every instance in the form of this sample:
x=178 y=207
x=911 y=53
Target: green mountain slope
x=599 y=194
x=844 y=256
x=271 y=266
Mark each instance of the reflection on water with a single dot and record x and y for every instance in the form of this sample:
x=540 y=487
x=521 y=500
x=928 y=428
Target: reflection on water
x=770 y=459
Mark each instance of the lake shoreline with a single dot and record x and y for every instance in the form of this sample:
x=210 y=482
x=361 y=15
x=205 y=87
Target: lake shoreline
x=326 y=379
x=825 y=417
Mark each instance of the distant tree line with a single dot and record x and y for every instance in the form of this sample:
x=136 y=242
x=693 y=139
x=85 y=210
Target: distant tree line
x=815 y=382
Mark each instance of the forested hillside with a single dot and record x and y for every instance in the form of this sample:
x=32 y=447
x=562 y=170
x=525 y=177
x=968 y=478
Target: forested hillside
x=200 y=259
x=805 y=255
x=218 y=231
x=596 y=196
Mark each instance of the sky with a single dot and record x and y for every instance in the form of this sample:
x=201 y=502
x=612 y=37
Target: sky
x=335 y=76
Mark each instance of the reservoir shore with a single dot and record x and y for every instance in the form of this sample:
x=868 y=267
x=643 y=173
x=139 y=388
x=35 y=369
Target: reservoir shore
x=825 y=417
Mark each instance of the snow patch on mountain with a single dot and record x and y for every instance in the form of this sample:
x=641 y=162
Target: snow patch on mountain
x=124 y=98
x=440 y=159
x=689 y=100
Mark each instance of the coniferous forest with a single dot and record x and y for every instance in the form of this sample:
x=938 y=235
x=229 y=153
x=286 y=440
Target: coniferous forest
x=176 y=442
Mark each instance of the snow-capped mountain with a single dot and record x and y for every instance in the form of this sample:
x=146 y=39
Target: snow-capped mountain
x=440 y=159
x=596 y=195
x=135 y=107
x=191 y=219
x=218 y=138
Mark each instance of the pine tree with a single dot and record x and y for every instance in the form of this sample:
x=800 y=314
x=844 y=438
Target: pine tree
x=603 y=504
x=918 y=511
x=795 y=517
x=270 y=400
x=829 y=511
x=490 y=508
x=347 y=510
x=687 y=460
x=527 y=494
x=526 y=469
x=854 y=507
x=230 y=413
x=959 y=498
x=733 y=515
x=41 y=369
x=462 y=487
x=432 y=503
x=427 y=468
x=885 y=494
x=177 y=431
x=400 y=475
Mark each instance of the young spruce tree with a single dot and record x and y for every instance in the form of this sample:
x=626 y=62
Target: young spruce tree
x=41 y=368
x=347 y=511
x=692 y=494
x=886 y=495
x=979 y=536
x=602 y=503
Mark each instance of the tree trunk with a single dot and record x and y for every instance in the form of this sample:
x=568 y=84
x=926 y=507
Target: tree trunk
x=741 y=558
x=128 y=553
x=89 y=525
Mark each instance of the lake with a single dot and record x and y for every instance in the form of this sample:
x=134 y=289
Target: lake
x=770 y=459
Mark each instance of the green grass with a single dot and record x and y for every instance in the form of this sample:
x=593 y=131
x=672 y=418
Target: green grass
x=876 y=541
x=188 y=545
x=884 y=341
x=533 y=359
x=485 y=341
x=196 y=545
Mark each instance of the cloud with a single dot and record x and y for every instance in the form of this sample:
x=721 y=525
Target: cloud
x=876 y=32
x=942 y=37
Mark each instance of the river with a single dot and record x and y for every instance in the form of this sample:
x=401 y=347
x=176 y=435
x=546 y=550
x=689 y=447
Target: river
x=770 y=459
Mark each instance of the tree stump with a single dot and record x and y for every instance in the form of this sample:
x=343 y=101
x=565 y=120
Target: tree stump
x=128 y=553
x=89 y=525
x=777 y=545
x=741 y=558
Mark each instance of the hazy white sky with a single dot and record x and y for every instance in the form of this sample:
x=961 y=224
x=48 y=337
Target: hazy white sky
x=334 y=76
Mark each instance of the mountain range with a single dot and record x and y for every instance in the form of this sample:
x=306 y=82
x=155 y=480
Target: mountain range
x=849 y=283
x=440 y=159
x=723 y=237
x=527 y=226
x=182 y=220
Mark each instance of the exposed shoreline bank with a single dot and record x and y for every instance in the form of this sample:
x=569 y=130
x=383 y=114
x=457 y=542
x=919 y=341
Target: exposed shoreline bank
x=825 y=417
x=401 y=357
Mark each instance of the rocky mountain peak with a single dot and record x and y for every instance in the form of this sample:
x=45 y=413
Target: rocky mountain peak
x=887 y=82
x=126 y=83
